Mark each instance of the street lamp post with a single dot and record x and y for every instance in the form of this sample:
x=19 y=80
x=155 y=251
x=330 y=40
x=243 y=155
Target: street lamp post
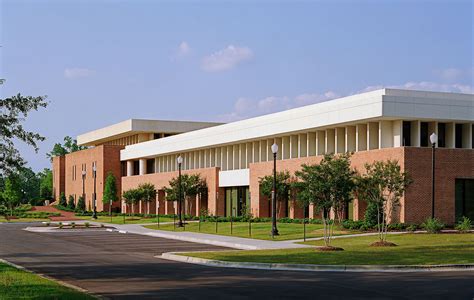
x=94 y=200
x=179 y=160
x=433 y=140
x=83 y=188
x=274 y=223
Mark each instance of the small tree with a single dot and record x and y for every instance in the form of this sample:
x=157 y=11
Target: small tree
x=11 y=194
x=383 y=185
x=147 y=194
x=110 y=191
x=71 y=204
x=283 y=187
x=327 y=186
x=191 y=185
x=62 y=200
x=131 y=197
x=81 y=204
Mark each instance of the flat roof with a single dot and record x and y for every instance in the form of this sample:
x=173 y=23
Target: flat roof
x=387 y=104
x=135 y=126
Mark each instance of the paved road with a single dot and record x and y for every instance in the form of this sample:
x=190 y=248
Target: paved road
x=122 y=266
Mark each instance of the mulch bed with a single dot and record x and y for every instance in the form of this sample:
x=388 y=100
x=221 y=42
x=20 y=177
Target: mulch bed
x=329 y=248
x=383 y=244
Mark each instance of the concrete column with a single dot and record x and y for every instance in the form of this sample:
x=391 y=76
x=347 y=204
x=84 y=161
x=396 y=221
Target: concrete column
x=340 y=139
x=361 y=137
x=415 y=133
x=450 y=135
x=330 y=142
x=467 y=136
x=385 y=134
x=372 y=135
x=142 y=168
x=350 y=139
x=129 y=167
x=397 y=132
x=320 y=142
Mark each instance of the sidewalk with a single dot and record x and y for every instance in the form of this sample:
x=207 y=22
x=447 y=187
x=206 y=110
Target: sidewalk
x=210 y=239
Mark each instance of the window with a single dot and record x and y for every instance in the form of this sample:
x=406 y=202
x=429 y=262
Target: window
x=136 y=167
x=441 y=135
x=236 y=198
x=464 y=198
x=150 y=166
x=424 y=134
x=406 y=133
x=123 y=168
x=458 y=136
x=156 y=136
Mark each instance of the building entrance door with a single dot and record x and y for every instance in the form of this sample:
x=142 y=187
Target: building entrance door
x=236 y=198
x=464 y=204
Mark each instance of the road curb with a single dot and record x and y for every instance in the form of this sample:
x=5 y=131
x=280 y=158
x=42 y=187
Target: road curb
x=65 y=284
x=177 y=256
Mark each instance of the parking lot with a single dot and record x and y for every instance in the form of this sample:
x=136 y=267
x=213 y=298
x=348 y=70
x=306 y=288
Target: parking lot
x=118 y=266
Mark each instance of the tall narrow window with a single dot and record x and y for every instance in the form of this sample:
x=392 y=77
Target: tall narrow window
x=406 y=133
x=458 y=136
x=424 y=134
x=442 y=135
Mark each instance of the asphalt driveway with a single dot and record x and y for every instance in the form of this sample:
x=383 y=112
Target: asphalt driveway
x=120 y=266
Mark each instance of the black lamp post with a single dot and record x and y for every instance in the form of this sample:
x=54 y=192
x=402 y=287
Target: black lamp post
x=179 y=160
x=274 y=223
x=433 y=140
x=83 y=187
x=94 y=200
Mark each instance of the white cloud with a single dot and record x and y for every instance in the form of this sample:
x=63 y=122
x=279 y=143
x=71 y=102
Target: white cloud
x=451 y=74
x=226 y=58
x=246 y=108
x=72 y=73
x=183 y=49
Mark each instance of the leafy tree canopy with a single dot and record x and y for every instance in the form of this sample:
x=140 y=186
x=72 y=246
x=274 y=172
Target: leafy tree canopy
x=110 y=189
x=283 y=185
x=191 y=185
x=14 y=111
x=70 y=145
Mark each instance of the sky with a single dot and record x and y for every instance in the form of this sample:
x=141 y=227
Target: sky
x=102 y=62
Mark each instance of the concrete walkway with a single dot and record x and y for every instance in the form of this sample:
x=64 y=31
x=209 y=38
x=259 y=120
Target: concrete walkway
x=211 y=239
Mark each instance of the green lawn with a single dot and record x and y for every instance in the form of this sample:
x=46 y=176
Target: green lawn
x=18 y=284
x=288 y=231
x=3 y=220
x=412 y=249
x=120 y=219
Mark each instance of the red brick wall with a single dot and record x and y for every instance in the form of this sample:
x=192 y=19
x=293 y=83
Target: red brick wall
x=450 y=164
x=58 y=176
x=107 y=159
x=161 y=180
x=258 y=170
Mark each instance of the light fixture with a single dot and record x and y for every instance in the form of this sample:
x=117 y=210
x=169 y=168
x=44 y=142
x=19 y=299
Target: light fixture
x=179 y=160
x=433 y=138
x=274 y=148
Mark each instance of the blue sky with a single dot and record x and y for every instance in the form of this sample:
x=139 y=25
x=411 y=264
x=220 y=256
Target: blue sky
x=102 y=62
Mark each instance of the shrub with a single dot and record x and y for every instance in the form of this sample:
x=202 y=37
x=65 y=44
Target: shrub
x=433 y=225
x=464 y=225
x=62 y=200
x=22 y=208
x=412 y=227
x=71 y=204
x=397 y=226
x=81 y=204
x=353 y=225
x=87 y=224
x=370 y=216
x=73 y=225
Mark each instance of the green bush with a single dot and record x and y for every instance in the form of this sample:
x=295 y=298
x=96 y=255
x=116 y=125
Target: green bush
x=71 y=205
x=412 y=227
x=397 y=226
x=62 y=200
x=81 y=204
x=433 y=225
x=354 y=225
x=22 y=208
x=3 y=210
x=464 y=225
x=87 y=224
x=370 y=216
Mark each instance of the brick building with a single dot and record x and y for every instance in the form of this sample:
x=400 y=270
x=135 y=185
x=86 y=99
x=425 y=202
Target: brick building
x=378 y=125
